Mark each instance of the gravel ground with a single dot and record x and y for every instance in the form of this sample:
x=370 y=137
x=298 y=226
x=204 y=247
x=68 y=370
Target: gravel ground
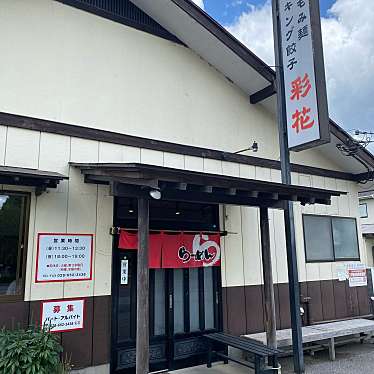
x=352 y=358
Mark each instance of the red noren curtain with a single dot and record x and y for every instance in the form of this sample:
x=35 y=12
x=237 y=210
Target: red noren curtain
x=177 y=250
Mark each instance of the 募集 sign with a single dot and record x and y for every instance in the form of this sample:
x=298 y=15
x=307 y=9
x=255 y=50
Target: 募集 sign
x=304 y=75
x=63 y=315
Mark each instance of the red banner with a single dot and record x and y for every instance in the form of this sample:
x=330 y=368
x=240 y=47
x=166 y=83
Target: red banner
x=167 y=250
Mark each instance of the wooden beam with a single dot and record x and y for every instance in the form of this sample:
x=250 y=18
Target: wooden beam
x=231 y=191
x=253 y=194
x=262 y=94
x=142 y=290
x=182 y=186
x=207 y=189
x=270 y=318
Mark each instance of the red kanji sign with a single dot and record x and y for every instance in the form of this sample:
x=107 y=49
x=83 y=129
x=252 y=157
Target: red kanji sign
x=301 y=59
x=300 y=87
x=302 y=120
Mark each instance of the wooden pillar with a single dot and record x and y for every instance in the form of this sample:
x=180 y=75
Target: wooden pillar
x=142 y=289
x=270 y=318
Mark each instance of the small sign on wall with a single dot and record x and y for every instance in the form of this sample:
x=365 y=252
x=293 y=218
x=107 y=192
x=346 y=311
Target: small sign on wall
x=63 y=315
x=125 y=272
x=354 y=272
x=64 y=257
x=357 y=275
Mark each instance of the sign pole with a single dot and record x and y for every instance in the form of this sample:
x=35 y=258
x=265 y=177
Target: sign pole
x=270 y=316
x=142 y=289
x=293 y=278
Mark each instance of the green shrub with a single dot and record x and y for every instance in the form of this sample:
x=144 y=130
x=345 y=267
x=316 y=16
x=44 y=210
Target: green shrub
x=31 y=351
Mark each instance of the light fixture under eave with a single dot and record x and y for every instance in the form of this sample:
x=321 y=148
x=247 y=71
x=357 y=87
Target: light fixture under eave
x=155 y=194
x=177 y=211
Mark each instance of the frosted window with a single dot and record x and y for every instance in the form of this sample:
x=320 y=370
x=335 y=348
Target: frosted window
x=159 y=319
x=178 y=301
x=318 y=238
x=194 y=300
x=208 y=298
x=363 y=210
x=345 y=238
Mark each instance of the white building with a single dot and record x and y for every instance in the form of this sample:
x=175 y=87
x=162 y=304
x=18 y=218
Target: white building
x=130 y=89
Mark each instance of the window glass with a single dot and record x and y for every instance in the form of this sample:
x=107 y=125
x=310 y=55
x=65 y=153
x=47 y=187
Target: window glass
x=194 y=299
x=208 y=298
x=364 y=210
x=12 y=215
x=345 y=238
x=318 y=238
x=178 y=301
x=159 y=327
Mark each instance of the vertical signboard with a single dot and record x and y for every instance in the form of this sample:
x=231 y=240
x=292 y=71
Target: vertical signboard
x=125 y=272
x=304 y=75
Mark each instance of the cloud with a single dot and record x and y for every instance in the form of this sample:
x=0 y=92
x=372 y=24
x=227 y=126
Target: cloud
x=200 y=3
x=348 y=40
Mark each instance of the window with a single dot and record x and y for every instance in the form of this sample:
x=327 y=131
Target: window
x=330 y=238
x=13 y=208
x=364 y=210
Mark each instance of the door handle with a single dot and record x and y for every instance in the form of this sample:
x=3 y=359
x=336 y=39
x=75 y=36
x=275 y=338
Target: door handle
x=170 y=301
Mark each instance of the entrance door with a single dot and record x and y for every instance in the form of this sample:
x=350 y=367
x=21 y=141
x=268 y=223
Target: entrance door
x=184 y=305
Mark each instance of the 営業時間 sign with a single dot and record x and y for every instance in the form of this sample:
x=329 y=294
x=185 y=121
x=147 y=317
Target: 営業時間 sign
x=303 y=71
x=64 y=257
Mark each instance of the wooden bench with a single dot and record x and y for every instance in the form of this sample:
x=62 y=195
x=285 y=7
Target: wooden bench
x=264 y=359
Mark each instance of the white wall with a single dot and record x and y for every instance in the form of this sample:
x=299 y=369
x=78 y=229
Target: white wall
x=242 y=250
x=79 y=207
x=64 y=64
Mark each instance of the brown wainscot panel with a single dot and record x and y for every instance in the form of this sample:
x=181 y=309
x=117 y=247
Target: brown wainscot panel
x=284 y=306
x=224 y=310
x=255 y=308
x=277 y=303
x=328 y=297
x=363 y=301
x=78 y=343
x=340 y=299
x=315 y=305
x=328 y=300
x=101 y=330
x=352 y=299
x=236 y=311
x=14 y=314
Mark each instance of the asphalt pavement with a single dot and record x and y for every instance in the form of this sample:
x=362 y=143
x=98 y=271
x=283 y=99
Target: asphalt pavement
x=352 y=358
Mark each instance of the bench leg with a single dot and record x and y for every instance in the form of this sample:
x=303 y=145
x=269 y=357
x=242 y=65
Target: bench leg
x=332 y=349
x=257 y=365
x=226 y=360
x=274 y=362
x=209 y=359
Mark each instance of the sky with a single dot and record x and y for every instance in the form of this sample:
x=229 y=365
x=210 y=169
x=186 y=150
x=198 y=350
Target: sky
x=348 y=42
